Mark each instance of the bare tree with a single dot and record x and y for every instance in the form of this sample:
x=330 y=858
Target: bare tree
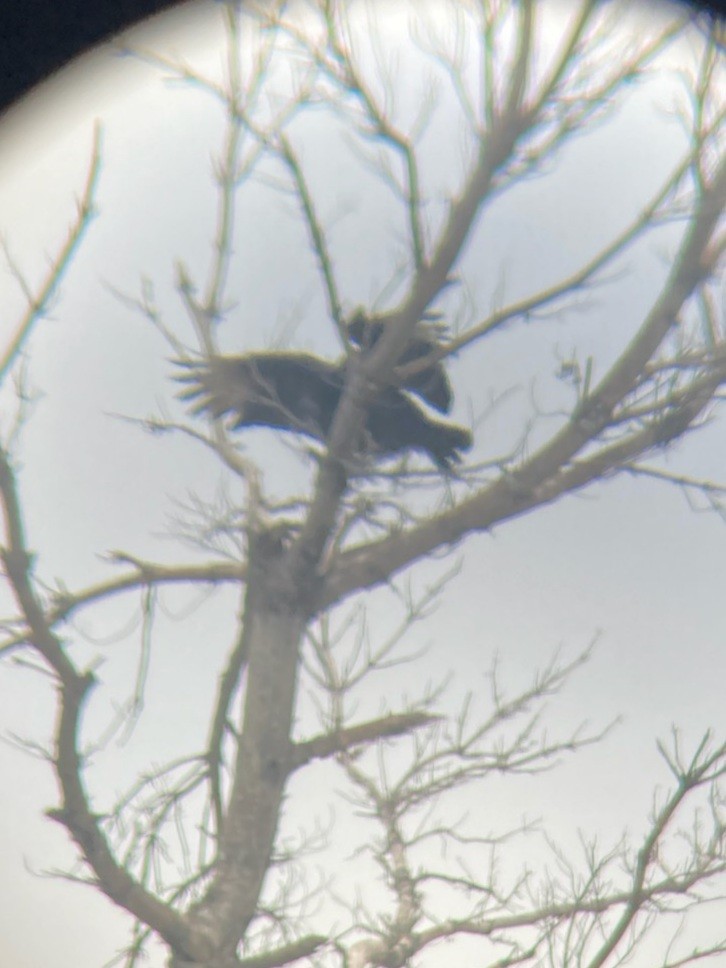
x=193 y=850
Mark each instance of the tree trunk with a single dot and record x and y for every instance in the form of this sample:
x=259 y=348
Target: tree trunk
x=274 y=625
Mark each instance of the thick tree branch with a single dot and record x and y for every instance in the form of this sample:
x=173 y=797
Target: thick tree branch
x=542 y=477
x=378 y=366
x=302 y=948
x=75 y=813
x=346 y=740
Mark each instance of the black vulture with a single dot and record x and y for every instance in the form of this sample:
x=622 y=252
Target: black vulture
x=300 y=393
x=432 y=383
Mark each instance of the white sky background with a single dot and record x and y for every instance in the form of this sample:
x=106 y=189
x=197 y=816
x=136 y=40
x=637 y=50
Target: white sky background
x=628 y=559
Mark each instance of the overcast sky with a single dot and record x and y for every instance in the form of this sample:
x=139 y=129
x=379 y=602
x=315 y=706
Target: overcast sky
x=628 y=561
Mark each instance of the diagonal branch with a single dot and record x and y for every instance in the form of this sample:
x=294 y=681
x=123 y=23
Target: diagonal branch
x=75 y=813
x=228 y=683
x=331 y=481
x=317 y=234
x=144 y=575
x=294 y=951
x=37 y=304
x=543 y=476
x=347 y=739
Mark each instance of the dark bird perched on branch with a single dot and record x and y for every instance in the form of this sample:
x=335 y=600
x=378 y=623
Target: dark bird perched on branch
x=300 y=393
x=431 y=383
